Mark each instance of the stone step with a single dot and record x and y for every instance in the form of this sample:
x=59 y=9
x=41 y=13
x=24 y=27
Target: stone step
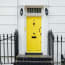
x=32 y=63
x=34 y=58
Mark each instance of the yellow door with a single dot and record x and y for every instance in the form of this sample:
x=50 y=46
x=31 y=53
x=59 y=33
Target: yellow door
x=33 y=34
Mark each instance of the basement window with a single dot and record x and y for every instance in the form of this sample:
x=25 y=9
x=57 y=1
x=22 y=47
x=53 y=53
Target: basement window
x=33 y=10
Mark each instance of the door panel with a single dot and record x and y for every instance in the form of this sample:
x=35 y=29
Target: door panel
x=33 y=34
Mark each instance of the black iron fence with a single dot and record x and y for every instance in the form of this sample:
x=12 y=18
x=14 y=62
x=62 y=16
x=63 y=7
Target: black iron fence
x=60 y=42
x=56 y=47
x=8 y=48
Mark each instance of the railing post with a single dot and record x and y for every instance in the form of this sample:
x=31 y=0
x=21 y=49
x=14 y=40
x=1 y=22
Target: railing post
x=57 y=49
x=53 y=47
x=11 y=48
x=62 y=57
x=7 y=49
x=4 y=46
x=61 y=44
x=16 y=43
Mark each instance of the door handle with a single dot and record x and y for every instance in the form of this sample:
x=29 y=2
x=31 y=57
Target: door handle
x=40 y=29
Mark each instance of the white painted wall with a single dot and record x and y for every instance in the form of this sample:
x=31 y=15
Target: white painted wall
x=57 y=3
x=32 y=2
x=8 y=16
x=22 y=32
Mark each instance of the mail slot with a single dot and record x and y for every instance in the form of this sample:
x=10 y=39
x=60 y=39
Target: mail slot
x=33 y=36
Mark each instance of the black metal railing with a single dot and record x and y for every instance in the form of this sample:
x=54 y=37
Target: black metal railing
x=16 y=44
x=60 y=41
x=8 y=48
x=53 y=46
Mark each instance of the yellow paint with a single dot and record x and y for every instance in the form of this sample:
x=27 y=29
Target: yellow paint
x=33 y=30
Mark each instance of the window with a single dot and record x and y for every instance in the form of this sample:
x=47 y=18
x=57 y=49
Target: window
x=33 y=10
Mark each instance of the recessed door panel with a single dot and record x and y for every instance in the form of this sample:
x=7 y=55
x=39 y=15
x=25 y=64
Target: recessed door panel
x=33 y=34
